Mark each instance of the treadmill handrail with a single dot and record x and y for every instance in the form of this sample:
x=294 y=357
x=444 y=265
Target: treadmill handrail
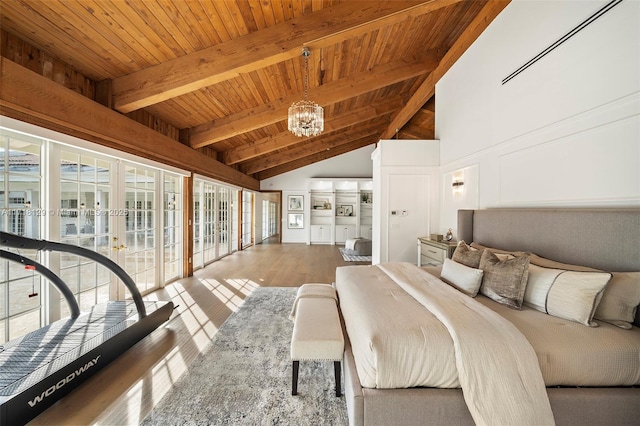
x=20 y=242
x=47 y=273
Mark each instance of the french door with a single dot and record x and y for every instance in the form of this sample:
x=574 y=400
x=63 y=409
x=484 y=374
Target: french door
x=125 y=210
x=212 y=225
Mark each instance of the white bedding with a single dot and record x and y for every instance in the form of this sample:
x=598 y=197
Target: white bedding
x=500 y=387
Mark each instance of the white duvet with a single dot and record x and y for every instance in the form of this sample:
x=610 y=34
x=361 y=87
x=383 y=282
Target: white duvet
x=454 y=342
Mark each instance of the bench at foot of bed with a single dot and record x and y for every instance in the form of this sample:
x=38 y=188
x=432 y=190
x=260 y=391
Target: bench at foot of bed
x=317 y=334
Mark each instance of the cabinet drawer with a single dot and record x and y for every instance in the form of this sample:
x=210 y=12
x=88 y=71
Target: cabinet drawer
x=434 y=253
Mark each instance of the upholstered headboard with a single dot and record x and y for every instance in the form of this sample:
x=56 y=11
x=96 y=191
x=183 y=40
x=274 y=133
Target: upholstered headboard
x=607 y=239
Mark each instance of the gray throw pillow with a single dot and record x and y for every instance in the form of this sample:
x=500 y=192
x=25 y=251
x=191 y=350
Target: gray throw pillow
x=466 y=255
x=505 y=280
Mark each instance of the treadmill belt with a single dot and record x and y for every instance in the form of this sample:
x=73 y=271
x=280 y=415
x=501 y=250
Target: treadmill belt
x=28 y=360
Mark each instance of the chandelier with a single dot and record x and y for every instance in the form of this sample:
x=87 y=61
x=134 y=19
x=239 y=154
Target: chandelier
x=306 y=118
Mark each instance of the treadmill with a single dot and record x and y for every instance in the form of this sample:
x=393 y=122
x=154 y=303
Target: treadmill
x=39 y=368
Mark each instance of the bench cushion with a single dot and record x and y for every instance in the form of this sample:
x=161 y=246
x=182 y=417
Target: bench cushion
x=317 y=334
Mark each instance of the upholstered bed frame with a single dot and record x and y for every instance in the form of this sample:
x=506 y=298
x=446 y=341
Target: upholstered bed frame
x=600 y=238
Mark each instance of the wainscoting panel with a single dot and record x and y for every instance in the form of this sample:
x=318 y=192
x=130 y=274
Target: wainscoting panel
x=589 y=166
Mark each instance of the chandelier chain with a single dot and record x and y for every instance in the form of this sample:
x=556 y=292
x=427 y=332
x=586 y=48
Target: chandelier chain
x=306 y=77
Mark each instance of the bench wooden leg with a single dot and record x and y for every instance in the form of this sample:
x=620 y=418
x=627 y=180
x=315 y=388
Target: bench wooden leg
x=294 y=380
x=336 y=368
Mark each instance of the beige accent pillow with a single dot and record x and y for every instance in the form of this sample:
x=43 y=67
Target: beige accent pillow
x=466 y=255
x=620 y=300
x=504 y=280
x=497 y=250
x=548 y=263
x=539 y=282
x=575 y=295
x=462 y=277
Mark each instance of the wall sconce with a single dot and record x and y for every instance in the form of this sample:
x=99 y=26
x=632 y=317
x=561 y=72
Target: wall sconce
x=82 y=206
x=27 y=205
x=458 y=183
x=98 y=205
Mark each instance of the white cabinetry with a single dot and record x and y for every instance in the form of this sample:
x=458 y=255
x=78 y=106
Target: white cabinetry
x=366 y=213
x=321 y=226
x=344 y=232
x=405 y=191
x=321 y=234
x=336 y=210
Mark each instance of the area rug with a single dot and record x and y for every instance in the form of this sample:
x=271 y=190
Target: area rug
x=244 y=376
x=353 y=257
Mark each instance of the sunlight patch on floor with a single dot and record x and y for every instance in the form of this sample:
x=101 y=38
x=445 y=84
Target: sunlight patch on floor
x=194 y=319
x=163 y=376
x=244 y=286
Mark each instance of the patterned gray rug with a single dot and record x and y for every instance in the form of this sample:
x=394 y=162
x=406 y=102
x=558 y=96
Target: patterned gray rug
x=353 y=257
x=244 y=376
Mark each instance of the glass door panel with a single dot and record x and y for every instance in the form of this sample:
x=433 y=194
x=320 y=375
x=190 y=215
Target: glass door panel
x=209 y=223
x=223 y=222
x=197 y=227
x=21 y=309
x=84 y=221
x=139 y=248
x=172 y=224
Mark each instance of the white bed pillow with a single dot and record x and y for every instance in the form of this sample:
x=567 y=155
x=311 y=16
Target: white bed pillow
x=539 y=282
x=620 y=300
x=575 y=295
x=462 y=277
x=571 y=295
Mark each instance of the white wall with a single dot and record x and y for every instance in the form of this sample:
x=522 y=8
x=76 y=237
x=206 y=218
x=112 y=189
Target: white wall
x=354 y=164
x=565 y=132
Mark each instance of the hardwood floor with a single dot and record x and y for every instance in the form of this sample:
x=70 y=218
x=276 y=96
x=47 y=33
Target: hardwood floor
x=125 y=391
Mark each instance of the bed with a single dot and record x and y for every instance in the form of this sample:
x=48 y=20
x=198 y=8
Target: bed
x=407 y=393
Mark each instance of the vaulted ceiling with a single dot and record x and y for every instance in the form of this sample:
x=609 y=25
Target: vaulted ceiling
x=225 y=72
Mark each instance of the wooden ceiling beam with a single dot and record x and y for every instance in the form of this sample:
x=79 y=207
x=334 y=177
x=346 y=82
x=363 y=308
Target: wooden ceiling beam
x=332 y=123
x=416 y=132
x=330 y=93
x=260 y=49
x=424 y=116
x=30 y=97
x=427 y=89
x=310 y=147
x=342 y=149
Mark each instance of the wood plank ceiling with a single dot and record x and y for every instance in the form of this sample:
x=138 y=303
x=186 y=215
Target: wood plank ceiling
x=225 y=72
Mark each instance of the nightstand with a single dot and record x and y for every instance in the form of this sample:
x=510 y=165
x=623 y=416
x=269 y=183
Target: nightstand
x=434 y=252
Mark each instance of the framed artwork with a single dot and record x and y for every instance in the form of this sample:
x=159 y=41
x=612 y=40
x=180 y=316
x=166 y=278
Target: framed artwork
x=295 y=221
x=348 y=210
x=296 y=202
x=340 y=211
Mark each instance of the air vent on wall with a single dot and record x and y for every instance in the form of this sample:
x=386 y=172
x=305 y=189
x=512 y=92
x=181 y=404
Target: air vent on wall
x=562 y=39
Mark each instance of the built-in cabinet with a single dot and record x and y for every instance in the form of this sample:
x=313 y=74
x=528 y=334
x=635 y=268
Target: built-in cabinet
x=339 y=210
x=405 y=190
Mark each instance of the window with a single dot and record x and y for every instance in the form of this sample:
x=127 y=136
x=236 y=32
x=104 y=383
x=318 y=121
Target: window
x=21 y=309
x=247 y=219
x=129 y=212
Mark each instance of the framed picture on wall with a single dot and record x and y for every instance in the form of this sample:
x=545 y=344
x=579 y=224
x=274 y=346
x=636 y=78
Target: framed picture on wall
x=295 y=221
x=296 y=202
